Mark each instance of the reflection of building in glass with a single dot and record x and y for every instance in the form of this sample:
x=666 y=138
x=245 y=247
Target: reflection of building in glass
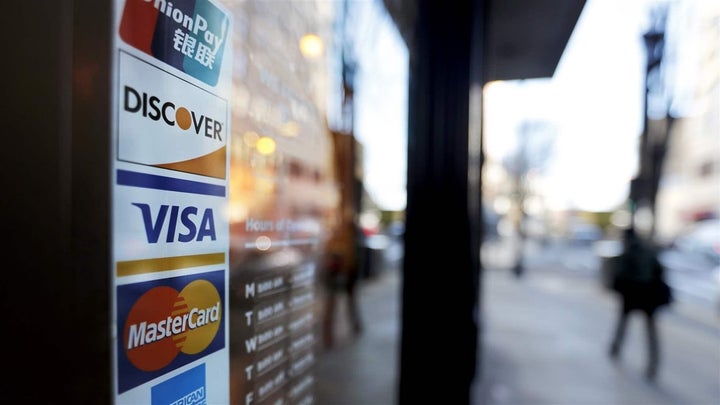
x=690 y=189
x=282 y=197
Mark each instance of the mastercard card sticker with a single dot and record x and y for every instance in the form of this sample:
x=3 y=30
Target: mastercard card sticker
x=189 y=35
x=165 y=324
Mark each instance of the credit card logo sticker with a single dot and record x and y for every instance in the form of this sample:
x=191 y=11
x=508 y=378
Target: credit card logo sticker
x=166 y=122
x=189 y=35
x=187 y=388
x=195 y=226
x=153 y=108
x=169 y=324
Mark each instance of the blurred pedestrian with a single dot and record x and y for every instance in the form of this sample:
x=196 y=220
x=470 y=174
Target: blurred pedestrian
x=341 y=276
x=639 y=282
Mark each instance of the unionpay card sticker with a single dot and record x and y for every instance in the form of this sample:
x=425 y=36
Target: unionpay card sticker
x=189 y=35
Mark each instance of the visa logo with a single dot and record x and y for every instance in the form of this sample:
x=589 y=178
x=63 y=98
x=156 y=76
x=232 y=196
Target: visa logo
x=186 y=224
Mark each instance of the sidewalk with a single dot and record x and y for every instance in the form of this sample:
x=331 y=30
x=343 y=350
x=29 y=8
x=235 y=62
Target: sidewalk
x=363 y=370
x=543 y=344
x=544 y=340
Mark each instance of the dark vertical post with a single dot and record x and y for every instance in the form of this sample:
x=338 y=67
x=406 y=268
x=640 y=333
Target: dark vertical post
x=91 y=263
x=35 y=286
x=440 y=272
x=643 y=189
x=56 y=278
x=476 y=160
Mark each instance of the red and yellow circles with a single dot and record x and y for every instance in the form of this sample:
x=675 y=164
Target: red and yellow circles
x=163 y=323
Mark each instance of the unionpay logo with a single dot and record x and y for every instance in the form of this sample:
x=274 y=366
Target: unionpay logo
x=168 y=323
x=189 y=35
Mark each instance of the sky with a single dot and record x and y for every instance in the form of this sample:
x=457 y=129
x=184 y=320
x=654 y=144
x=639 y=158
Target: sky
x=594 y=101
x=381 y=106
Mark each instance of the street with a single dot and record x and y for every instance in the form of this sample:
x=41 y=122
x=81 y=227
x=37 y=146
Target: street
x=691 y=287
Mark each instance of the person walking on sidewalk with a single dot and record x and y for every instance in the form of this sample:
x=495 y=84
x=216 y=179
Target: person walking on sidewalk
x=640 y=285
x=341 y=276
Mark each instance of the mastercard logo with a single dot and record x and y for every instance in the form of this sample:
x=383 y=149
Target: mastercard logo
x=164 y=322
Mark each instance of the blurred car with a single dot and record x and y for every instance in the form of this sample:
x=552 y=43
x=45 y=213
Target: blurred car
x=396 y=229
x=716 y=274
x=584 y=234
x=490 y=223
x=695 y=249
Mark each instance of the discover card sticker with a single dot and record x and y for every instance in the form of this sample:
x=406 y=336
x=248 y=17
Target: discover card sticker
x=164 y=121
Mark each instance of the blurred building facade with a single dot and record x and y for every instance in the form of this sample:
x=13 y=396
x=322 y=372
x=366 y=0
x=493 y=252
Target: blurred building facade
x=690 y=186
